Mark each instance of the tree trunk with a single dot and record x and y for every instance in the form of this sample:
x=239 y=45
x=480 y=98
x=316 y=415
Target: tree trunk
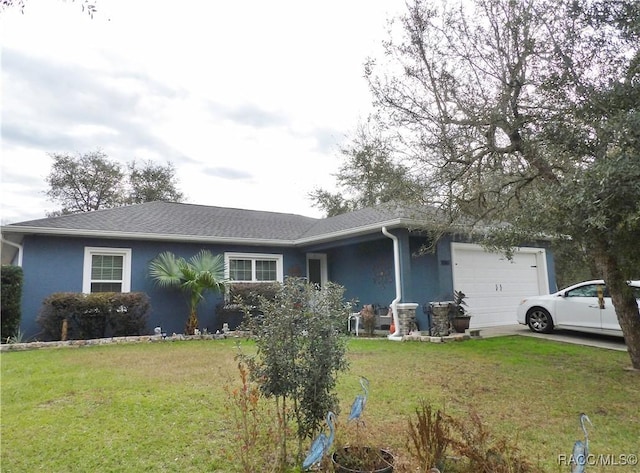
x=65 y=330
x=192 y=323
x=624 y=302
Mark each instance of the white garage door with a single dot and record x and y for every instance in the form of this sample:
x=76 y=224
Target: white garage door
x=495 y=285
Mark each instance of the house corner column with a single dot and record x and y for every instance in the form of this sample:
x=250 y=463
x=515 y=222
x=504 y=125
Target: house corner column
x=406 y=279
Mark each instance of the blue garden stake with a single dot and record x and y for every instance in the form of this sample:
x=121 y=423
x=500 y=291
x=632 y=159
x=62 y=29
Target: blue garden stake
x=360 y=400
x=321 y=444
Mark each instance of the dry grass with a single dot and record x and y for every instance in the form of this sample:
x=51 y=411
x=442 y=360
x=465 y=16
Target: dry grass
x=163 y=407
x=529 y=391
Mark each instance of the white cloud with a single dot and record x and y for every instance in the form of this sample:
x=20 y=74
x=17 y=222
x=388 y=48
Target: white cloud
x=249 y=100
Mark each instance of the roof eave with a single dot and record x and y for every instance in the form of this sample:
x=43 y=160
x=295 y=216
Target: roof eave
x=145 y=236
x=357 y=231
x=117 y=235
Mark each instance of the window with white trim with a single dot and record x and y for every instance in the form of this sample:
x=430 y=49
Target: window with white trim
x=254 y=267
x=106 y=270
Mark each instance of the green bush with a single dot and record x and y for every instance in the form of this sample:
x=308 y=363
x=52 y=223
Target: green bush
x=249 y=294
x=11 y=300
x=95 y=315
x=242 y=298
x=301 y=350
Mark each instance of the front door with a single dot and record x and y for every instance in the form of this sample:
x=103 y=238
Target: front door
x=317 y=269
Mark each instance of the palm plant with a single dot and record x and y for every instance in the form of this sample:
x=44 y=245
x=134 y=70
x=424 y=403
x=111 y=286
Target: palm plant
x=203 y=271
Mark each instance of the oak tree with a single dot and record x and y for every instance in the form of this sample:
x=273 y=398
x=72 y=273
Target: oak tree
x=368 y=176
x=85 y=182
x=151 y=182
x=523 y=112
x=91 y=181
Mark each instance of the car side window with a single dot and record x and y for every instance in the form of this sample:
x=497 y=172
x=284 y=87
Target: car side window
x=590 y=290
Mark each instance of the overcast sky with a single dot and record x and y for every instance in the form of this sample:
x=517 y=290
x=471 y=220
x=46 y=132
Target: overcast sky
x=249 y=100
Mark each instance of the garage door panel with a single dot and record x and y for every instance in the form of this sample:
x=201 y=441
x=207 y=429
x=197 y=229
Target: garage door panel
x=494 y=285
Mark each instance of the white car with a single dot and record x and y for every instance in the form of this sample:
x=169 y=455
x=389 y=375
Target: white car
x=585 y=307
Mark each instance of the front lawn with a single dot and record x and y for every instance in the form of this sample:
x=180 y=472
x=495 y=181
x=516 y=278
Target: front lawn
x=163 y=407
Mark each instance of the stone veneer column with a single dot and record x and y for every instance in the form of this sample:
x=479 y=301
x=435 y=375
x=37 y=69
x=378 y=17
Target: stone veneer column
x=440 y=325
x=406 y=317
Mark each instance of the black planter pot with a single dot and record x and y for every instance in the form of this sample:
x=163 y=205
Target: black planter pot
x=362 y=460
x=460 y=324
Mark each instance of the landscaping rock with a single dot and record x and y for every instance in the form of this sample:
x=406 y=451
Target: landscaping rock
x=118 y=340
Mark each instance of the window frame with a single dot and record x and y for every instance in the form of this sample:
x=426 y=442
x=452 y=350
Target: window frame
x=90 y=251
x=581 y=291
x=253 y=257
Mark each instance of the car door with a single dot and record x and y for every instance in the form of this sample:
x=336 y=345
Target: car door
x=610 y=322
x=608 y=315
x=580 y=307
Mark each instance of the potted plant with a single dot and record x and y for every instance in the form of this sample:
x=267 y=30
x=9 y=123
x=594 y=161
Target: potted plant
x=460 y=316
x=368 y=319
x=361 y=459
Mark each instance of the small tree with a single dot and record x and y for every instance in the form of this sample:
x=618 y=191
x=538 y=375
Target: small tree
x=301 y=350
x=202 y=272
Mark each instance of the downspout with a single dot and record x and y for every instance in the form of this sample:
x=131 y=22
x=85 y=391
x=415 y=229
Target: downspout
x=15 y=245
x=394 y=304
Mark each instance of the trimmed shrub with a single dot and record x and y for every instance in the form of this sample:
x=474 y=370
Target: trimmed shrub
x=131 y=315
x=251 y=294
x=241 y=297
x=11 y=295
x=95 y=315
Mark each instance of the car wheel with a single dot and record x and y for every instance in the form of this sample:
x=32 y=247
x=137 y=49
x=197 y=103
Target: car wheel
x=539 y=320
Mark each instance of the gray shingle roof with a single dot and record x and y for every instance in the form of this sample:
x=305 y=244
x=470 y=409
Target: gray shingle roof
x=166 y=219
x=364 y=218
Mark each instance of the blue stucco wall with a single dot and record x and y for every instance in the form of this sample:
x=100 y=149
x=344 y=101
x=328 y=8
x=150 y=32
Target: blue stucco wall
x=366 y=269
x=551 y=271
x=364 y=265
x=53 y=264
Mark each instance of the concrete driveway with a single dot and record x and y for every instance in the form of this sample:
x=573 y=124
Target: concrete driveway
x=567 y=336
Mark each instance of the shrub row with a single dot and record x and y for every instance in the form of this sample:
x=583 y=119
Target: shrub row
x=250 y=293
x=98 y=315
x=11 y=295
x=239 y=297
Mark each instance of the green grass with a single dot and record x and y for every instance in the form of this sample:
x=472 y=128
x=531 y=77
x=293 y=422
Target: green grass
x=162 y=407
